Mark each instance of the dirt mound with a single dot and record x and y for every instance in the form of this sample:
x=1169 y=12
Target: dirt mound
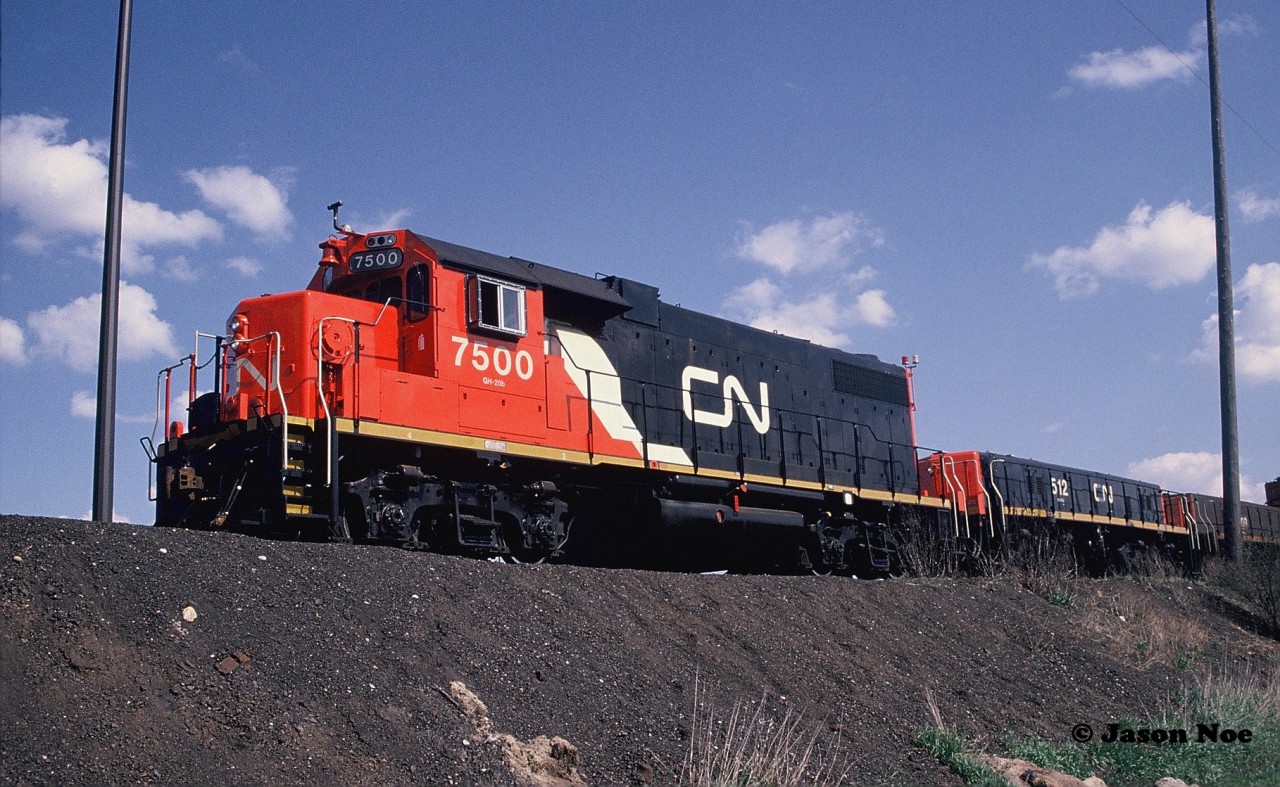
x=134 y=654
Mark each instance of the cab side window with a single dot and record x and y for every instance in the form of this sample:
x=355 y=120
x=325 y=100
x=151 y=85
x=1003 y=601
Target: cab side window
x=417 y=299
x=496 y=305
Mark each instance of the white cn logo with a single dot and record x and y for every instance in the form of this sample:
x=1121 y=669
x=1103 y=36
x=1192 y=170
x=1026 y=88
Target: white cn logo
x=731 y=388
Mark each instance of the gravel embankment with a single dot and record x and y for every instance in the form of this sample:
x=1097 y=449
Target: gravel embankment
x=134 y=654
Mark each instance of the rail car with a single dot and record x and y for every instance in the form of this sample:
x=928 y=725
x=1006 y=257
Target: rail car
x=421 y=393
x=436 y=396
x=1112 y=521
x=1259 y=524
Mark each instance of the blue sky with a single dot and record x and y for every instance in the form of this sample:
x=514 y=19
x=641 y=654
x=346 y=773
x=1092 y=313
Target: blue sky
x=1020 y=193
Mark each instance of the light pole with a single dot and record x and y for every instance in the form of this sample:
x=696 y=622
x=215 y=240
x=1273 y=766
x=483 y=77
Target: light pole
x=1226 y=309
x=104 y=444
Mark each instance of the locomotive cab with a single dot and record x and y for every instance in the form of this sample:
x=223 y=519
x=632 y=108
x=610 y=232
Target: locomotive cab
x=393 y=269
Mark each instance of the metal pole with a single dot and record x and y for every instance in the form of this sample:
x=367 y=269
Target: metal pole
x=104 y=445
x=1226 y=309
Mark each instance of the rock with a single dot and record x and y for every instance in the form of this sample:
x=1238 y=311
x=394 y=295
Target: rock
x=233 y=662
x=1019 y=772
x=473 y=708
x=539 y=762
x=227 y=665
x=189 y=614
x=543 y=762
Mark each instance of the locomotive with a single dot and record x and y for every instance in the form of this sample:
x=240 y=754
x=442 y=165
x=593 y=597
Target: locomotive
x=435 y=396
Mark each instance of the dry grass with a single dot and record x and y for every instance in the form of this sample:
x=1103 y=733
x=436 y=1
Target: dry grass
x=1147 y=632
x=1254 y=583
x=751 y=747
x=925 y=549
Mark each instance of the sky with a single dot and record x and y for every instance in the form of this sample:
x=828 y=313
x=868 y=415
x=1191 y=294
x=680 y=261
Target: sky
x=1020 y=193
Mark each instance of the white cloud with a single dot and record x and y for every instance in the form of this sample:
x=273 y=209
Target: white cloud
x=821 y=242
x=1130 y=70
x=180 y=269
x=1192 y=471
x=236 y=57
x=816 y=297
x=393 y=220
x=1159 y=249
x=12 y=342
x=59 y=189
x=84 y=405
x=819 y=317
x=1257 y=208
x=249 y=199
x=245 y=266
x=1182 y=471
x=1235 y=25
x=54 y=186
x=69 y=333
x=871 y=308
x=1257 y=325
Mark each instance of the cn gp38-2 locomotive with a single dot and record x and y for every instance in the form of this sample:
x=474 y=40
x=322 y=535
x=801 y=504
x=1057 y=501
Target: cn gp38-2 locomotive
x=435 y=396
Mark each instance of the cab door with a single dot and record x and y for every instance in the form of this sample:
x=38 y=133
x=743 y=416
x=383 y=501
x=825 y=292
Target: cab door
x=419 y=352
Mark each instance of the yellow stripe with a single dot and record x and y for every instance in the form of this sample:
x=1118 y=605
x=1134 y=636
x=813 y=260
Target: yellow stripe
x=1071 y=516
x=348 y=426
x=431 y=437
x=452 y=440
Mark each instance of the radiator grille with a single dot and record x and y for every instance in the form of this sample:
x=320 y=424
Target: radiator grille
x=868 y=383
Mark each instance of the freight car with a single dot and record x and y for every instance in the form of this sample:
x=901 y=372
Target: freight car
x=1259 y=524
x=435 y=396
x=1112 y=521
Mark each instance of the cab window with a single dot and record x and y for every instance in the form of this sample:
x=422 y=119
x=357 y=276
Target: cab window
x=383 y=290
x=496 y=305
x=416 y=293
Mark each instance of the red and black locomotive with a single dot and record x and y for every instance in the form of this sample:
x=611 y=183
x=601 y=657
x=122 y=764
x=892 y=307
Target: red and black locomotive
x=435 y=396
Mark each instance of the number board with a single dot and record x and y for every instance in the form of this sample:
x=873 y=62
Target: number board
x=380 y=260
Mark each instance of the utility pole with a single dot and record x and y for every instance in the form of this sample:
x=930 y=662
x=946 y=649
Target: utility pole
x=104 y=443
x=1226 y=309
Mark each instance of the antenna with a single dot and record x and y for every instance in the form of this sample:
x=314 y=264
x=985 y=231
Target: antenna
x=345 y=229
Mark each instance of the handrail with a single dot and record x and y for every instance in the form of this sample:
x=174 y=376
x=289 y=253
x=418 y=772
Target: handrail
x=163 y=404
x=273 y=379
x=324 y=405
x=1004 y=524
x=963 y=503
x=946 y=479
x=858 y=456
x=981 y=491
